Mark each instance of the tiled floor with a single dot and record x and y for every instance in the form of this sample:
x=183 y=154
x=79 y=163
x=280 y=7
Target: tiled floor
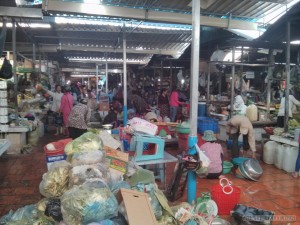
x=276 y=190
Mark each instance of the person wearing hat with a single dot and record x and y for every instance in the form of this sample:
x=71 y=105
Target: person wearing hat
x=241 y=125
x=78 y=120
x=214 y=152
x=66 y=106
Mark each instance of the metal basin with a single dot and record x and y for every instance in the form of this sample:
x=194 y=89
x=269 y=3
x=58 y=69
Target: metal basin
x=252 y=169
x=107 y=126
x=219 y=221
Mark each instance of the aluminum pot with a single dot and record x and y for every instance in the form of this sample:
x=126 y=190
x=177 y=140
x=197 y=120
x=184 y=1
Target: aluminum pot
x=251 y=169
x=219 y=221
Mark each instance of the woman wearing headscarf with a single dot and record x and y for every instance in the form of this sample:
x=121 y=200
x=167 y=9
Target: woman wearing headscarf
x=66 y=106
x=241 y=125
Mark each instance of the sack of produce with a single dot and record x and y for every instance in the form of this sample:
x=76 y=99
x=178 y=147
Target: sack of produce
x=115 y=187
x=79 y=174
x=86 y=142
x=87 y=158
x=26 y=215
x=55 y=181
x=88 y=203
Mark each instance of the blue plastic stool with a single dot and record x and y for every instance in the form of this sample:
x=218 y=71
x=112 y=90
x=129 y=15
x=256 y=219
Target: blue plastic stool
x=137 y=144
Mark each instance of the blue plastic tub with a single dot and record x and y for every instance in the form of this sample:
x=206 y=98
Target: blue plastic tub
x=207 y=123
x=239 y=160
x=201 y=109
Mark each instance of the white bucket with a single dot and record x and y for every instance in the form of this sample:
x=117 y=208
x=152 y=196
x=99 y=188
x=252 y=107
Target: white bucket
x=289 y=159
x=279 y=156
x=269 y=152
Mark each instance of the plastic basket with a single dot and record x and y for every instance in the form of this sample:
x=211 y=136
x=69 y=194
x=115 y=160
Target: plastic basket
x=207 y=123
x=59 y=146
x=225 y=202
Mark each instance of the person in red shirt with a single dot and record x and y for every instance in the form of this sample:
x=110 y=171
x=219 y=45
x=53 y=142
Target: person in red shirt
x=174 y=103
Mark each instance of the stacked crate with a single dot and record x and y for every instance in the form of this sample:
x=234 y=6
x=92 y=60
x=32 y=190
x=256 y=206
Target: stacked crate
x=3 y=107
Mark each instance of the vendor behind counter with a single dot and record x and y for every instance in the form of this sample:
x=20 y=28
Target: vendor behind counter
x=293 y=102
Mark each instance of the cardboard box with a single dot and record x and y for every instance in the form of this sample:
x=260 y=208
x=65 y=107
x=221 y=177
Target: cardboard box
x=117 y=160
x=138 y=207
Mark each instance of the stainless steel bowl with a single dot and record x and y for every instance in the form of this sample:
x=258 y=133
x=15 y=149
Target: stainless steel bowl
x=107 y=126
x=252 y=169
x=219 y=221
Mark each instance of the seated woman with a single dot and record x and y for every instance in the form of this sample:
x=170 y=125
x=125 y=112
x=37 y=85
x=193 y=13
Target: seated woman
x=214 y=152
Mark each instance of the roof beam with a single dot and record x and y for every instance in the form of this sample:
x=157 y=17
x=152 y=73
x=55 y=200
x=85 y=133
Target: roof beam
x=21 y=12
x=141 y=14
x=48 y=48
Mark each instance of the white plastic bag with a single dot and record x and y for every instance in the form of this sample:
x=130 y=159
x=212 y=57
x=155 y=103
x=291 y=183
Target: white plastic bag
x=203 y=158
x=143 y=126
x=87 y=158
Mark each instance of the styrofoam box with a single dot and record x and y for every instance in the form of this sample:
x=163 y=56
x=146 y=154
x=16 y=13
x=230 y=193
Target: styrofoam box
x=3 y=85
x=3 y=94
x=3 y=102
x=4 y=128
x=3 y=111
x=55 y=158
x=3 y=119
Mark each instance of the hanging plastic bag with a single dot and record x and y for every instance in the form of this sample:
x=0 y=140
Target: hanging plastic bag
x=205 y=161
x=87 y=203
x=6 y=70
x=79 y=174
x=55 y=181
x=87 y=158
x=86 y=142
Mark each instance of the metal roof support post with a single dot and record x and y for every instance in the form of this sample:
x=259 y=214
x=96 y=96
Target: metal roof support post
x=232 y=82
x=124 y=77
x=192 y=140
x=33 y=56
x=270 y=71
x=287 y=70
x=97 y=86
x=208 y=84
x=106 y=82
x=14 y=35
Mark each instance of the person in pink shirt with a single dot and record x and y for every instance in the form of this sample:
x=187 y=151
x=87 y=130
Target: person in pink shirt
x=214 y=152
x=174 y=103
x=66 y=106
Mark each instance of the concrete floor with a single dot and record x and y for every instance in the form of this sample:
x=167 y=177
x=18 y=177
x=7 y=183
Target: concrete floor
x=276 y=190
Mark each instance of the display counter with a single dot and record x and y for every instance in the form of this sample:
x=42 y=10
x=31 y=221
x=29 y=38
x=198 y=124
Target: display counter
x=257 y=125
x=17 y=137
x=283 y=140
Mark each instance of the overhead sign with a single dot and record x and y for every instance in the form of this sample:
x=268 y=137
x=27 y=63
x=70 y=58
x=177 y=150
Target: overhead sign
x=250 y=75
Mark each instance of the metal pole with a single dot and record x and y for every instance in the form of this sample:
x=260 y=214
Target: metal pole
x=14 y=44
x=287 y=69
x=171 y=74
x=192 y=184
x=33 y=56
x=40 y=67
x=270 y=72
x=106 y=72
x=124 y=77
x=232 y=82
x=161 y=74
x=97 y=88
x=208 y=84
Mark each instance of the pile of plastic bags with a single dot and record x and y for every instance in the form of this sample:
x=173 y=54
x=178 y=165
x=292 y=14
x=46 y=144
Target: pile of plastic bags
x=83 y=191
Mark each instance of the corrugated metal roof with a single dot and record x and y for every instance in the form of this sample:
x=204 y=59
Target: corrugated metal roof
x=99 y=41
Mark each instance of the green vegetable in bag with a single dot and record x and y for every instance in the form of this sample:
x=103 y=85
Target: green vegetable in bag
x=86 y=142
